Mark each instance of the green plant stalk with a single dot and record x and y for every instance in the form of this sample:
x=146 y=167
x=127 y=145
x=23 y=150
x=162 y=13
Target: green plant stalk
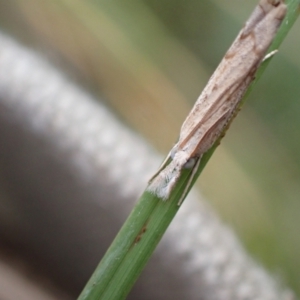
x=143 y=229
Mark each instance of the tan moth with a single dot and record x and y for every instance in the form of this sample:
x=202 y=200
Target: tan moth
x=218 y=102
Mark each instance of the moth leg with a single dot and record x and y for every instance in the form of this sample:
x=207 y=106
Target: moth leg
x=162 y=166
x=269 y=55
x=190 y=179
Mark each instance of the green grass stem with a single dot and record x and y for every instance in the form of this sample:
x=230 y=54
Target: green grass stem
x=148 y=221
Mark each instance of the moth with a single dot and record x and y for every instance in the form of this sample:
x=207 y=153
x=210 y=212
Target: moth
x=218 y=102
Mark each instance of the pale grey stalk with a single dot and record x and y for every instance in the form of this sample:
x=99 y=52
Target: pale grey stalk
x=18 y=281
x=71 y=173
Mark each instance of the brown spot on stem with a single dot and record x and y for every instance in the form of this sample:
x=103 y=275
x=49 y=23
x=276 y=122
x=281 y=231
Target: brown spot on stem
x=140 y=234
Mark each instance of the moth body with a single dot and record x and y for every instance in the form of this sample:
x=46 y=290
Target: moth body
x=217 y=104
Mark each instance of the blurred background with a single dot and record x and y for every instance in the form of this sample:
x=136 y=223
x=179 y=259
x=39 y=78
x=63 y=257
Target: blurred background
x=149 y=60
